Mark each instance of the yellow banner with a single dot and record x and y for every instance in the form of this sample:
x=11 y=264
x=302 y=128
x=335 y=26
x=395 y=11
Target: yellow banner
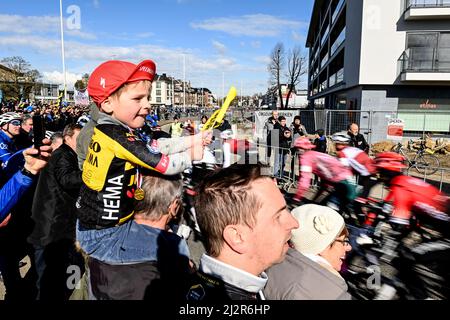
x=216 y=118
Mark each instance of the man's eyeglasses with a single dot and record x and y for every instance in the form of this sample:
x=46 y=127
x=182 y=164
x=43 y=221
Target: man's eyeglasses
x=15 y=122
x=345 y=242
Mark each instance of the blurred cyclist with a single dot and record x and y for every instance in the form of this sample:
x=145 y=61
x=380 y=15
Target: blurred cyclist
x=360 y=163
x=410 y=197
x=412 y=202
x=331 y=172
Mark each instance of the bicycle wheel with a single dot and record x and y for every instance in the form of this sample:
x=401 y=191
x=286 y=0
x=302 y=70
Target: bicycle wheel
x=426 y=164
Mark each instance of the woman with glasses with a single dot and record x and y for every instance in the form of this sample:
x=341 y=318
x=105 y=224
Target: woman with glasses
x=311 y=268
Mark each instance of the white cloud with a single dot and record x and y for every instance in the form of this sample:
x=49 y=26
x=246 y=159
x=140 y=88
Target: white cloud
x=96 y=4
x=17 y=24
x=255 y=25
x=262 y=59
x=256 y=44
x=81 y=35
x=297 y=36
x=28 y=24
x=145 y=35
x=226 y=62
x=57 y=77
x=201 y=70
x=220 y=47
x=37 y=43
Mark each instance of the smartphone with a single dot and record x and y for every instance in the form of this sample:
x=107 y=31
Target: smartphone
x=38 y=131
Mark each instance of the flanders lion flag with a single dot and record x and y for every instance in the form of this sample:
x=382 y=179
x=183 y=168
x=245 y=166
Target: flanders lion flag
x=60 y=98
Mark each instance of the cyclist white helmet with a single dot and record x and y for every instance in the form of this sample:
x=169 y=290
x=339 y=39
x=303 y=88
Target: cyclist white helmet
x=83 y=120
x=8 y=117
x=341 y=137
x=49 y=134
x=227 y=134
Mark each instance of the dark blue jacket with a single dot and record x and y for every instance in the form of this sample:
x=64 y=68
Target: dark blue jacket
x=11 y=193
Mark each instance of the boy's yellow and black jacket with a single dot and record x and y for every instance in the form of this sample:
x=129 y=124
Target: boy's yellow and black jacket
x=109 y=173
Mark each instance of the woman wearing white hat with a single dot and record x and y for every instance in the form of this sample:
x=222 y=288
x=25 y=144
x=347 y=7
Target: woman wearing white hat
x=311 y=268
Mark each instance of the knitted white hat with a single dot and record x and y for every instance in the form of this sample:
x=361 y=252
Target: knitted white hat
x=318 y=227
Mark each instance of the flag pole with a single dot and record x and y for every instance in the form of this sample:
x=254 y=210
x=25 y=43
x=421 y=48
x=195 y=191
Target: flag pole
x=62 y=50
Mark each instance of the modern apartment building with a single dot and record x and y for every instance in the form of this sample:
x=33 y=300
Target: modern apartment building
x=381 y=55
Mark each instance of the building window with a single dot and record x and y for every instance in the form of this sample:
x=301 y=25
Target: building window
x=158 y=99
x=428 y=51
x=158 y=92
x=319 y=103
x=158 y=84
x=338 y=42
x=324 y=60
x=336 y=11
x=323 y=86
x=427 y=3
x=422 y=40
x=325 y=35
x=443 y=55
x=332 y=80
x=340 y=76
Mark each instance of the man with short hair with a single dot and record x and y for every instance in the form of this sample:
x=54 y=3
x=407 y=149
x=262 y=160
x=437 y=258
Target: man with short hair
x=357 y=139
x=25 y=138
x=144 y=251
x=268 y=127
x=54 y=215
x=246 y=225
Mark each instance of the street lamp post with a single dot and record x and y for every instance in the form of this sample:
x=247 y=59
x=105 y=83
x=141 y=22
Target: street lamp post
x=184 y=82
x=173 y=94
x=223 y=87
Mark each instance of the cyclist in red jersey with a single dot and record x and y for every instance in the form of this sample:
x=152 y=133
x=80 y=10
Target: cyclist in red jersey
x=427 y=270
x=409 y=196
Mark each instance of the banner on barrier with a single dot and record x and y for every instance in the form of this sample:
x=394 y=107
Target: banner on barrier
x=261 y=117
x=81 y=98
x=395 y=129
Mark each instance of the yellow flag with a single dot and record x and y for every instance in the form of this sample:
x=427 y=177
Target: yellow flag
x=216 y=119
x=60 y=97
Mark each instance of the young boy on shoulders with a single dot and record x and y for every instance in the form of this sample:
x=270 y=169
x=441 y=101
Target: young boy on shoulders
x=111 y=171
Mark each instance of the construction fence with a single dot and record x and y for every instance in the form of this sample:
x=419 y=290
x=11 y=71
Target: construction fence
x=373 y=124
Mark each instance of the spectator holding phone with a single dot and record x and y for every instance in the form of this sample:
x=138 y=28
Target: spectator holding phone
x=14 y=188
x=14 y=227
x=54 y=216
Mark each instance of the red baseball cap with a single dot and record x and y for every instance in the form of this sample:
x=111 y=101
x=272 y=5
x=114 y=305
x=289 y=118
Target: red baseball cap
x=111 y=75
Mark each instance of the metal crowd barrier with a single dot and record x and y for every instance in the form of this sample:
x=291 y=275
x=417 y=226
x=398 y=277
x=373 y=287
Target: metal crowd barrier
x=440 y=179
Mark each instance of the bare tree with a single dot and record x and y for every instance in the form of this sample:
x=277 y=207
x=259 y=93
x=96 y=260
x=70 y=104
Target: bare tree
x=20 y=80
x=275 y=68
x=297 y=67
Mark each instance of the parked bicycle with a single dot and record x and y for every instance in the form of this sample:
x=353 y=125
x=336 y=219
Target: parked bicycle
x=423 y=162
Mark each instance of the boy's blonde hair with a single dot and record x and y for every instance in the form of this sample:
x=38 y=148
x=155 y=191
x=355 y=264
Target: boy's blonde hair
x=116 y=94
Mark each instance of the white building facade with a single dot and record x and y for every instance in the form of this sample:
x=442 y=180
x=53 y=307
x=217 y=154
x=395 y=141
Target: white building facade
x=381 y=55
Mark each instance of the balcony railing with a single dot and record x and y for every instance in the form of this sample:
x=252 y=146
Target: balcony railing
x=427 y=3
x=425 y=60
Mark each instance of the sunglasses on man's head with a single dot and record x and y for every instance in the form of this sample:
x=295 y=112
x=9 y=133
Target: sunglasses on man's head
x=16 y=122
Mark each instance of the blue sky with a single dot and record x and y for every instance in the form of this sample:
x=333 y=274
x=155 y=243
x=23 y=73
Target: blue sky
x=219 y=38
